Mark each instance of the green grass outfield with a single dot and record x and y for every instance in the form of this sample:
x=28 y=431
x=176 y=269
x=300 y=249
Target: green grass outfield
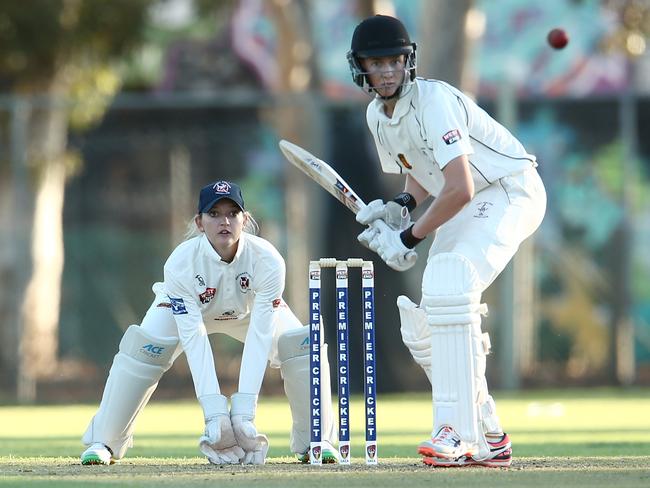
x=560 y=438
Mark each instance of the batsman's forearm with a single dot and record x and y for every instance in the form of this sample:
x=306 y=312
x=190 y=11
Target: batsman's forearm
x=449 y=203
x=414 y=188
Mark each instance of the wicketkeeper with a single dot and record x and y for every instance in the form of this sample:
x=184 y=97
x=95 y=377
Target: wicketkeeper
x=226 y=280
x=488 y=198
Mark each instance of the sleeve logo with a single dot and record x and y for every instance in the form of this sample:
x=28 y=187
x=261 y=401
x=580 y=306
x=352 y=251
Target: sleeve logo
x=207 y=295
x=178 y=306
x=451 y=137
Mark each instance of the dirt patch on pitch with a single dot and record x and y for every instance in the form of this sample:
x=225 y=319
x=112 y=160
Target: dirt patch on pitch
x=70 y=467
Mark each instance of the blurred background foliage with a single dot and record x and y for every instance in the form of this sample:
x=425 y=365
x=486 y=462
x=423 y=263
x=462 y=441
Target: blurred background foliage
x=113 y=115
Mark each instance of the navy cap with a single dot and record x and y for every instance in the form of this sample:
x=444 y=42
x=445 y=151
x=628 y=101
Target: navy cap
x=212 y=193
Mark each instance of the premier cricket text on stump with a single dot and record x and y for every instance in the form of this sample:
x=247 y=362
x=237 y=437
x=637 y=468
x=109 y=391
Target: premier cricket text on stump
x=343 y=377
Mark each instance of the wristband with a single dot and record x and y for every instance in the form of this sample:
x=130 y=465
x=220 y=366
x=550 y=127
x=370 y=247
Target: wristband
x=406 y=200
x=408 y=239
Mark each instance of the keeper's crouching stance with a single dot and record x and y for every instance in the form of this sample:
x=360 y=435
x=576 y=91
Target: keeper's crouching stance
x=222 y=281
x=140 y=363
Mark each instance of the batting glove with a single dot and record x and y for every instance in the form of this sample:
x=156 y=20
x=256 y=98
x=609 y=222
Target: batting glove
x=392 y=250
x=395 y=215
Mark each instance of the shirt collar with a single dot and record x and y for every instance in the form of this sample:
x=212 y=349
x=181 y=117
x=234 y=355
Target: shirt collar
x=208 y=250
x=402 y=106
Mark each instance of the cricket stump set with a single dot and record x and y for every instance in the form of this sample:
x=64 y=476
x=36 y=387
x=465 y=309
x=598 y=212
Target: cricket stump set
x=343 y=376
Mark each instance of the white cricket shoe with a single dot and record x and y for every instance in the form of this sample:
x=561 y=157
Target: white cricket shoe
x=97 y=453
x=500 y=456
x=446 y=444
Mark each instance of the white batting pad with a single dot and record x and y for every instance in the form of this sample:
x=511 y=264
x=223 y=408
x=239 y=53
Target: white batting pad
x=293 y=343
x=416 y=334
x=137 y=367
x=451 y=299
x=293 y=351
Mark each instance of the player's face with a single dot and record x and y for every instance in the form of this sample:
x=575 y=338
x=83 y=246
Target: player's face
x=223 y=225
x=385 y=74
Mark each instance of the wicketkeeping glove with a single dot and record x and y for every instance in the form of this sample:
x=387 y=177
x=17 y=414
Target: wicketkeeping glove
x=218 y=442
x=242 y=415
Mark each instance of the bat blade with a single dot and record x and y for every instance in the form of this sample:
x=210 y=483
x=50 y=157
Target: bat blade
x=323 y=174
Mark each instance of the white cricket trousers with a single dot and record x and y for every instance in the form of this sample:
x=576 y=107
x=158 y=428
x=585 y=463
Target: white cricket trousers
x=489 y=230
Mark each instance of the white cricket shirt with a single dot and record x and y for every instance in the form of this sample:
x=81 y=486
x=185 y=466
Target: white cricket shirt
x=432 y=124
x=240 y=297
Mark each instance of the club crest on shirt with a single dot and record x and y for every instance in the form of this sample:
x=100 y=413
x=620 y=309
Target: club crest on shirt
x=276 y=303
x=207 y=295
x=452 y=136
x=244 y=282
x=404 y=161
x=178 y=306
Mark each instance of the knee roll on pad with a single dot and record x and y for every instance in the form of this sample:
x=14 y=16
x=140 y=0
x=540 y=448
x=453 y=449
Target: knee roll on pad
x=293 y=343
x=146 y=348
x=137 y=367
x=452 y=290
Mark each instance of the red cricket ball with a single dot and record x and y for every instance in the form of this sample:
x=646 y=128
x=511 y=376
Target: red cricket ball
x=557 y=38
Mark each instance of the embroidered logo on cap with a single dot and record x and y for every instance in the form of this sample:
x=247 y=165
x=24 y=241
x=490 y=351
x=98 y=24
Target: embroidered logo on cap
x=221 y=187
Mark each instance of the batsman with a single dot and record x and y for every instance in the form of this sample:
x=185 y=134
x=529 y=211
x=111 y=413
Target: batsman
x=487 y=198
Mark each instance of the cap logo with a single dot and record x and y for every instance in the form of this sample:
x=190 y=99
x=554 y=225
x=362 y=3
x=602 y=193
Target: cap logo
x=222 y=187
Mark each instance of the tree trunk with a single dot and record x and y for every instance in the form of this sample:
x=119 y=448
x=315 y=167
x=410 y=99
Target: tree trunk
x=442 y=43
x=298 y=117
x=15 y=208
x=46 y=156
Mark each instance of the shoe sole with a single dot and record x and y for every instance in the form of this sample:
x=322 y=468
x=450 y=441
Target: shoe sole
x=428 y=452
x=502 y=460
x=92 y=460
x=462 y=463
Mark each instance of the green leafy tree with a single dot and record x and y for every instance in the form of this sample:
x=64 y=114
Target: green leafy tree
x=55 y=68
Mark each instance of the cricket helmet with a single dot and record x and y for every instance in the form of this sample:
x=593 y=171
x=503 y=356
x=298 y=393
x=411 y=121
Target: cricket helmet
x=380 y=35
